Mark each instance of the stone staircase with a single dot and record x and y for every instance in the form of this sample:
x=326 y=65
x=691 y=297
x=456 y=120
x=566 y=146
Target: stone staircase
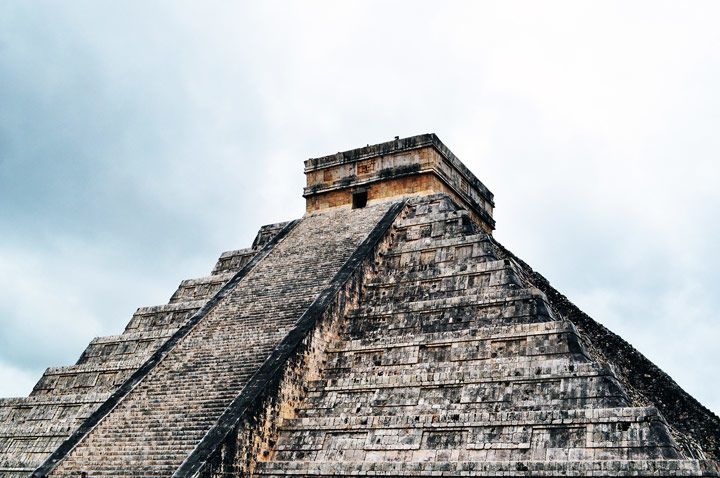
x=33 y=427
x=152 y=430
x=454 y=365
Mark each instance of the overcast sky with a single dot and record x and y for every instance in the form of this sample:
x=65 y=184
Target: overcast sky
x=139 y=140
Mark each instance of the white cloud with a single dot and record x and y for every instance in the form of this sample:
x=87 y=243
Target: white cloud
x=183 y=127
x=15 y=382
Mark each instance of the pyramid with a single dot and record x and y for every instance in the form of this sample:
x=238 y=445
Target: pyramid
x=385 y=333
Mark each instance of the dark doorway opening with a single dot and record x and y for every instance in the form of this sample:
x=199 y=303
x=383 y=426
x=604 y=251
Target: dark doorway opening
x=359 y=199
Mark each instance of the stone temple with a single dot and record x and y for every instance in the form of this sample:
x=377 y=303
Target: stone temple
x=385 y=333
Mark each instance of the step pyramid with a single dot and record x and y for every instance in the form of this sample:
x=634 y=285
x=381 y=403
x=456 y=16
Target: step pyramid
x=386 y=333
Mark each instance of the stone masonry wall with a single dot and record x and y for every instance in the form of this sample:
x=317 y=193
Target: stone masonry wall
x=412 y=184
x=454 y=364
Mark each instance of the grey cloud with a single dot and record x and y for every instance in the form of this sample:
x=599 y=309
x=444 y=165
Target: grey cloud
x=139 y=140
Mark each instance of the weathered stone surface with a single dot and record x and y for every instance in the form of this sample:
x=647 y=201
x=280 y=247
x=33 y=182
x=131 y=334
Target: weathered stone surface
x=393 y=339
x=424 y=382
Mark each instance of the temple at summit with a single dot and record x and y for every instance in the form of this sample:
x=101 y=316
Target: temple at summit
x=384 y=333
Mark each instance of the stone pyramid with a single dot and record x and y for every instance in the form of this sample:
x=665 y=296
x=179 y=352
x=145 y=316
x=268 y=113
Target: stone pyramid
x=386 y=333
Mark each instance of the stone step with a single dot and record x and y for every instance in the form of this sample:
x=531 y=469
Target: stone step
x=89 y=377
x=201 y=288
x=430 y=219
x=438 y=227
x=433 y=289
x=15 y=472
x=163 y=316
x=469 y=418
x=233 y=261
x=132 y=345
x=429 y=205
x=444 y=463
x=159 y=471
x=416 y=337
x=614 y=441
x=499 y=370
x=445 y=315
x=156 y=333
x=448 y=399
x=91 y=397
x=481 y=242
x=38 y=428
x=436 y=271
x=486 y=299
x=421 y=285
x=419 y=363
